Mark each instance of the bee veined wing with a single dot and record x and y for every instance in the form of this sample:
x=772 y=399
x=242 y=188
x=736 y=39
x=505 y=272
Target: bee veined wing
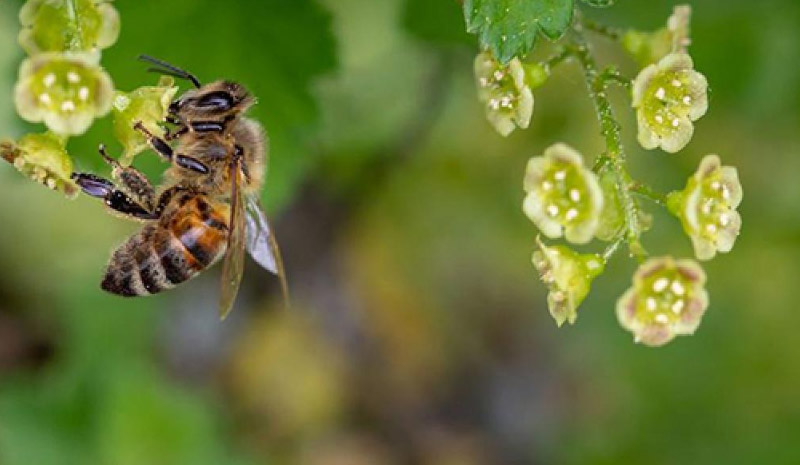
x=259 y=236
x=262 y=245
x=233 y=266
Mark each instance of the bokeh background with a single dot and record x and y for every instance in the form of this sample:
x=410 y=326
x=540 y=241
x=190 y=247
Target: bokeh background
x=420 y=333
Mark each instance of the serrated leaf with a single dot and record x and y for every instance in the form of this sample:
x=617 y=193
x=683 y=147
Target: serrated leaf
x=509 y=27
x=599 y=3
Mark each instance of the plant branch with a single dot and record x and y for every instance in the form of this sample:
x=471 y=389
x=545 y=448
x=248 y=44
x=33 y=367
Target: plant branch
x=596 y=84
x=648 y=192
x=603 y=30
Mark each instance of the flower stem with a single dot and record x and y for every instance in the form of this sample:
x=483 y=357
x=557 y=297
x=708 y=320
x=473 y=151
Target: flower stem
x=606 y=31
x=648 y=192
x=596 y=83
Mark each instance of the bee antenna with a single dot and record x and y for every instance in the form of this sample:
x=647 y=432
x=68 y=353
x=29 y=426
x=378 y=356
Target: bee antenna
x=166 y=68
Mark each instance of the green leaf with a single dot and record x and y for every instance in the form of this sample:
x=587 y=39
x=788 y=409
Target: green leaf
x=509 y=27
x=599 y=3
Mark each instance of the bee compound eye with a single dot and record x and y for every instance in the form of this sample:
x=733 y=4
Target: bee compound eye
x=217 y=100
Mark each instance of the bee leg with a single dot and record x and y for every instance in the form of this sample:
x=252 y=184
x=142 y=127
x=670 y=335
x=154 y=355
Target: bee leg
x=161 y=146
x=170 y=135
x=114 y=198
x=132 y=181
x=158 y=144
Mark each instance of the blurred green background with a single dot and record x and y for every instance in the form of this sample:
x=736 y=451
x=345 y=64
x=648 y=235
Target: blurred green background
x=420 y=333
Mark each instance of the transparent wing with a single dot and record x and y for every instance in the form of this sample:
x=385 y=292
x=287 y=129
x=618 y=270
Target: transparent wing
x=259 y=236
x=262 y=245
x=233 y=266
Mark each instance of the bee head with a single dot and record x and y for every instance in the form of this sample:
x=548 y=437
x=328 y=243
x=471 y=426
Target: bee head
x=216 y=100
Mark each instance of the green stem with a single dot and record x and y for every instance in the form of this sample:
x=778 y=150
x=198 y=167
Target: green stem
x=612 y=248
x=75 y=34
x=607 y=31
x=648 y=192
x=610 y=130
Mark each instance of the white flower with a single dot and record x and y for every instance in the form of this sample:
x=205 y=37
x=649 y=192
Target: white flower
x=563 y=196
x=668 y=97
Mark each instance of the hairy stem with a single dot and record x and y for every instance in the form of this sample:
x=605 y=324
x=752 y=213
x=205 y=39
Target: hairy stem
x=648 y=192
x=614 y=156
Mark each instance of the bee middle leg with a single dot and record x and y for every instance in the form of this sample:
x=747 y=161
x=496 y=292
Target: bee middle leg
x=132 y=181
x=114 y=198
x=163 y=149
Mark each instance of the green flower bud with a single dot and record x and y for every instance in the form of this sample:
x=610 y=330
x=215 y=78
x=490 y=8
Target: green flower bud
x=43 y=158
x=707 y=207
x=667 y=97
x=568 y=275
x=563 y=196
x=65 y=90
x=502 y=88
x=67 y=25
x=146 y=104
x=650 y=47
x=668 y=298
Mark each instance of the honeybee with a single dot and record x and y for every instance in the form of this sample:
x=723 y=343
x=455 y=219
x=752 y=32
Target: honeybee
x=207 y=206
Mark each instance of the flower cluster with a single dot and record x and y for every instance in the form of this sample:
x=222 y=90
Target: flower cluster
x=667 y=299
x=563 y=196
x=707 y=207
x=148 y=105
x=504 y=91
x=668 y=97
x=61 y=83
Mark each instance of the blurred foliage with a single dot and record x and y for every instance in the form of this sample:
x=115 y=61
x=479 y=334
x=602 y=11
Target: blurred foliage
x=421 y=333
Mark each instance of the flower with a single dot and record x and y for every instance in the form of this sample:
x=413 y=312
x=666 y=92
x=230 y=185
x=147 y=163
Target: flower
x=43 y=158
x=65 y=90
x=502 y=88
x=667 y=97
x=147 y=104
x=707 y=207
x=667 y=299
x=562 y=195
x=67 y=25
x=650 y=47
x=568 y=276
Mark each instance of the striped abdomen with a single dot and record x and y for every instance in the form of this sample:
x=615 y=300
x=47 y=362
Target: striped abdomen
x=189 y=238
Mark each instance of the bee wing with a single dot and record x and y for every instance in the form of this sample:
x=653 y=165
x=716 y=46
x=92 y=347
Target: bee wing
x=233 y=266
x=261 y=243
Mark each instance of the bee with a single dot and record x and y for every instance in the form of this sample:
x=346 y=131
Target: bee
x=208 y=206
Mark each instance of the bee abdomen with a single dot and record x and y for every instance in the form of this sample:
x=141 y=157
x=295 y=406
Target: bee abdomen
x=166 y=254
x=136 y=267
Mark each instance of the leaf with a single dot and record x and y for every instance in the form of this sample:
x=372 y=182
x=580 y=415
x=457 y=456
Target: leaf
x=509 y=27
x=599 y=3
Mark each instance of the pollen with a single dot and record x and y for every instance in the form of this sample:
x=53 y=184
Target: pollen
x=571 y=214
x=49 y=80
x=677 y=288
x=660 y=284
x=575 y=195
x=67 y=105
x=552 y=210
x=44 y=97
x=83 y=93
x=73 y=77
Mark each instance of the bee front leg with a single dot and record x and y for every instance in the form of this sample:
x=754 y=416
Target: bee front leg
x=161 y=146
